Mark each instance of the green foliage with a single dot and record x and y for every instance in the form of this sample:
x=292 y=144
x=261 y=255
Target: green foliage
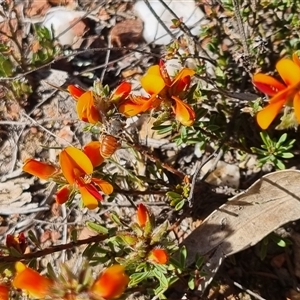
x=272 y=237
x=273 y=151
x=6 y=66
x=47 y=50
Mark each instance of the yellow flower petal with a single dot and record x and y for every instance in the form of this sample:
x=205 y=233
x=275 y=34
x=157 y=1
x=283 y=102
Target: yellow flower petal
x=105 y=186
x=74 y=163
x=183 y=112
x=93 y=115
x=289 y=71
x=154 y=70
x=88 y=199
x=31 y=281
x=86 y=109
x=183 y=73
x=266 y=116
x=267 y=84
x=92 y=150
x=130 y=109
x=137 y=104
x=83 y=103
x=39 y=169
x=111 y=283
x=287 y=94
x=152 y=82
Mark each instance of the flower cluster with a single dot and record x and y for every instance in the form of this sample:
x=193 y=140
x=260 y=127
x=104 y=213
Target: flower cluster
x=148 y=242
x=17 y=243
x=164 y=94
x=110 y=284
x=75 y=173
x=287 y=93
x=144 y=220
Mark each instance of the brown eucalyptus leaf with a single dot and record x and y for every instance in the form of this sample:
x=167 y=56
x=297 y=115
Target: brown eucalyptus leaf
x=247 y=218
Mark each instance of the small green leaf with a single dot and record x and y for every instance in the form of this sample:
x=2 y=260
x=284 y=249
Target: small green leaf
x=159 y=232
x=176 y=264
x=279 y=164
x=161 y=277
x=7 y=68
x=33 y=238
x=199 y=261
x=90 y=250
x=137 y=278
x=281 y=242
x=287 y=155
x=265 y=138
x=281 y=140
x=191 y=283
x=264 y=248
x=51 y=272
x=137 y=229
x=97 y=227
x=115 y=218
x=128 y=238
x=183 y=256
x=14 y=252
x=180 y=205
x=173 y=195
x=74 y=235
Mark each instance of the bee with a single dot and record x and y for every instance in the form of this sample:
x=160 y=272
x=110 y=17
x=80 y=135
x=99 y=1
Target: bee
x=109 y=145
x=112 y=126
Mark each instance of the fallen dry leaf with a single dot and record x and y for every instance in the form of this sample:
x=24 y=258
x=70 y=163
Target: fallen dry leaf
x=3 y=229
x=86 y=233
x=246 y=219
x=79 y=27
x=55 y=209
x=55 y=235
x=126 y=32
x=13 y=111
x=37 y=8
x=45 y=236
x=66 y=135
x=103 y=14
x=68 y=3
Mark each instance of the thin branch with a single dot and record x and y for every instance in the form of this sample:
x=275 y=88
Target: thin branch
x=57 y=248
x=185 y=29
x=106 y=60
x=199 y=166
x=156 y=160
x=160 y=21
x=239 y=21
x=57 y=59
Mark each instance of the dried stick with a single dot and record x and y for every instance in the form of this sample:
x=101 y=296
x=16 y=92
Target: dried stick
x=57 y=248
